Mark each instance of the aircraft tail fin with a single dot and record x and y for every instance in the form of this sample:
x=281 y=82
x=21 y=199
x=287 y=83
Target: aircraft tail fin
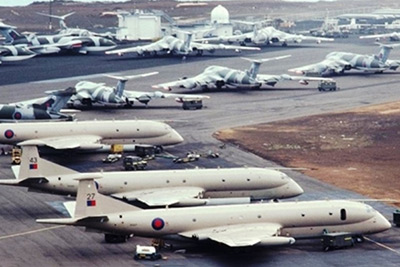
x=384 y=52
x=61 y=98
x=33 y=166
x=10 y=34
x=89 y=202
x=255 y=64
x=60 y=18
x=119 y=90
x=188 y=40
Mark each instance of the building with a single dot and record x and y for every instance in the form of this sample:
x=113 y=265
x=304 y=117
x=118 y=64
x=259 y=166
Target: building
x=139 y=25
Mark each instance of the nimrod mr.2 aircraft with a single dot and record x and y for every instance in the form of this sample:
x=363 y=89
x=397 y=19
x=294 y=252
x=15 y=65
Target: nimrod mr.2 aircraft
x=264 y=224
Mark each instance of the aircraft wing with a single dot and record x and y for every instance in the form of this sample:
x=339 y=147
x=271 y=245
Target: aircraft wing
x=273 y=79
x=230 y=38
x=213 y=47
x=191 y=83
x=242 y=235
x=145 y=97
x=67 y=142
x=153 y=47
x=162 y=196
x=324 y=67
x=377 y=36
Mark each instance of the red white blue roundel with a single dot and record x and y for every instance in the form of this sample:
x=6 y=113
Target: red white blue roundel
x=157 y=224
x=17 y=115
x=9 y=134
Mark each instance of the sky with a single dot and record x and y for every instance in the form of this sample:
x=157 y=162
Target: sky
x=27 y=2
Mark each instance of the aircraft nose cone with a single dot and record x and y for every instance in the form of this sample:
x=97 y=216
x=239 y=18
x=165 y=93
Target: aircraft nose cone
x=175 y=138
x=293 y=188
x=382 y=224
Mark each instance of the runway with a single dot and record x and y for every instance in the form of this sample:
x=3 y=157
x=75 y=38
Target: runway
x=23 y=242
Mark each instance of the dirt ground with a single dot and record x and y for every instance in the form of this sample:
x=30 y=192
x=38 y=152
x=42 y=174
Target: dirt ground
x=357 y=150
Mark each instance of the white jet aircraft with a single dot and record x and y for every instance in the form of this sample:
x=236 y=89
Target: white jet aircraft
x=88 y=135
x=263 y=224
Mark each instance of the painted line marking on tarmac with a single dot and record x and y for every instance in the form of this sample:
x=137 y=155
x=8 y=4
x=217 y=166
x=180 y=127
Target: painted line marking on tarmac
x=31 y=232
x=382 y=245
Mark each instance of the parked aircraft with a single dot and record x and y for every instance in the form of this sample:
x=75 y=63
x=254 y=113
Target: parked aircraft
x=65 y=30
x=189 y=187
x=218 y=76
x=45 y=108
x=14 y=53
x=49 y=44
x=339 y=62
x=268 y=35
x=89 y=93
x=267 y=224
x=88 y=135
x=176 y=46
x=393 y=36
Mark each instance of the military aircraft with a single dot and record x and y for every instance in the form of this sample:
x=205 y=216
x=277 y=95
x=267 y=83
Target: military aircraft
x=176 y=46
x=393 y=36
x=263 y=224
x=45 y=108
x=88 y=135
x=218 y=76
x=268 y=35
x=339 y=62
x=65 y=30
x=189 y=187
x=90 y=92
x=49 y=44
x=14 y=53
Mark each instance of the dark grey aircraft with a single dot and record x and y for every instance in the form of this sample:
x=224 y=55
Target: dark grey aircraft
x=45 y=108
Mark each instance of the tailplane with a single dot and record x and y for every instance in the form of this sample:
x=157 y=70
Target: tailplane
x=255 y=65
x=62 y=18
x=60 y=98
x=119 y=90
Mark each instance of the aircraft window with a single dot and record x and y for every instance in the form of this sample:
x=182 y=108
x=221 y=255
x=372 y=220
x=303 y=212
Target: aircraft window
x=59 y=178
x=194 y=219
x=248 y=180
x=343 y=214
x=184 y=181
x=223 y=180
x=120 y=216
x=117 y=130
x=167 y=181
x=137 y=130
x=302 y=215
x=125 y=183
x=259 y=216
x=330 y=213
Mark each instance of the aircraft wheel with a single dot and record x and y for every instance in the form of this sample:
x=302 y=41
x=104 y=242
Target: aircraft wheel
x=284 y=44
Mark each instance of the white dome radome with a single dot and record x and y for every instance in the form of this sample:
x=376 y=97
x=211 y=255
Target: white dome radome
x=219 y=15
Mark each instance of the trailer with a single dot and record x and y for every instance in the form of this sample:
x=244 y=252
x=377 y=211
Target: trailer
x=336 y=240
x=192 y=104
x=324 y=86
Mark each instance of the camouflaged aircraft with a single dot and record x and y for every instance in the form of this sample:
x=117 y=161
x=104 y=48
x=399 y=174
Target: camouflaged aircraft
x=49 y=44
x=45 y=108
x=266 y=36
x=339 y=62
x=261 y=224
x=176 y=46
x=218 y=76
x=88 y=93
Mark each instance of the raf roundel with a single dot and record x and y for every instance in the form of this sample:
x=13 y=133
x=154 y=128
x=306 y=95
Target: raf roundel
x=8 y=134
x=17 y=115
x=158 y=224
